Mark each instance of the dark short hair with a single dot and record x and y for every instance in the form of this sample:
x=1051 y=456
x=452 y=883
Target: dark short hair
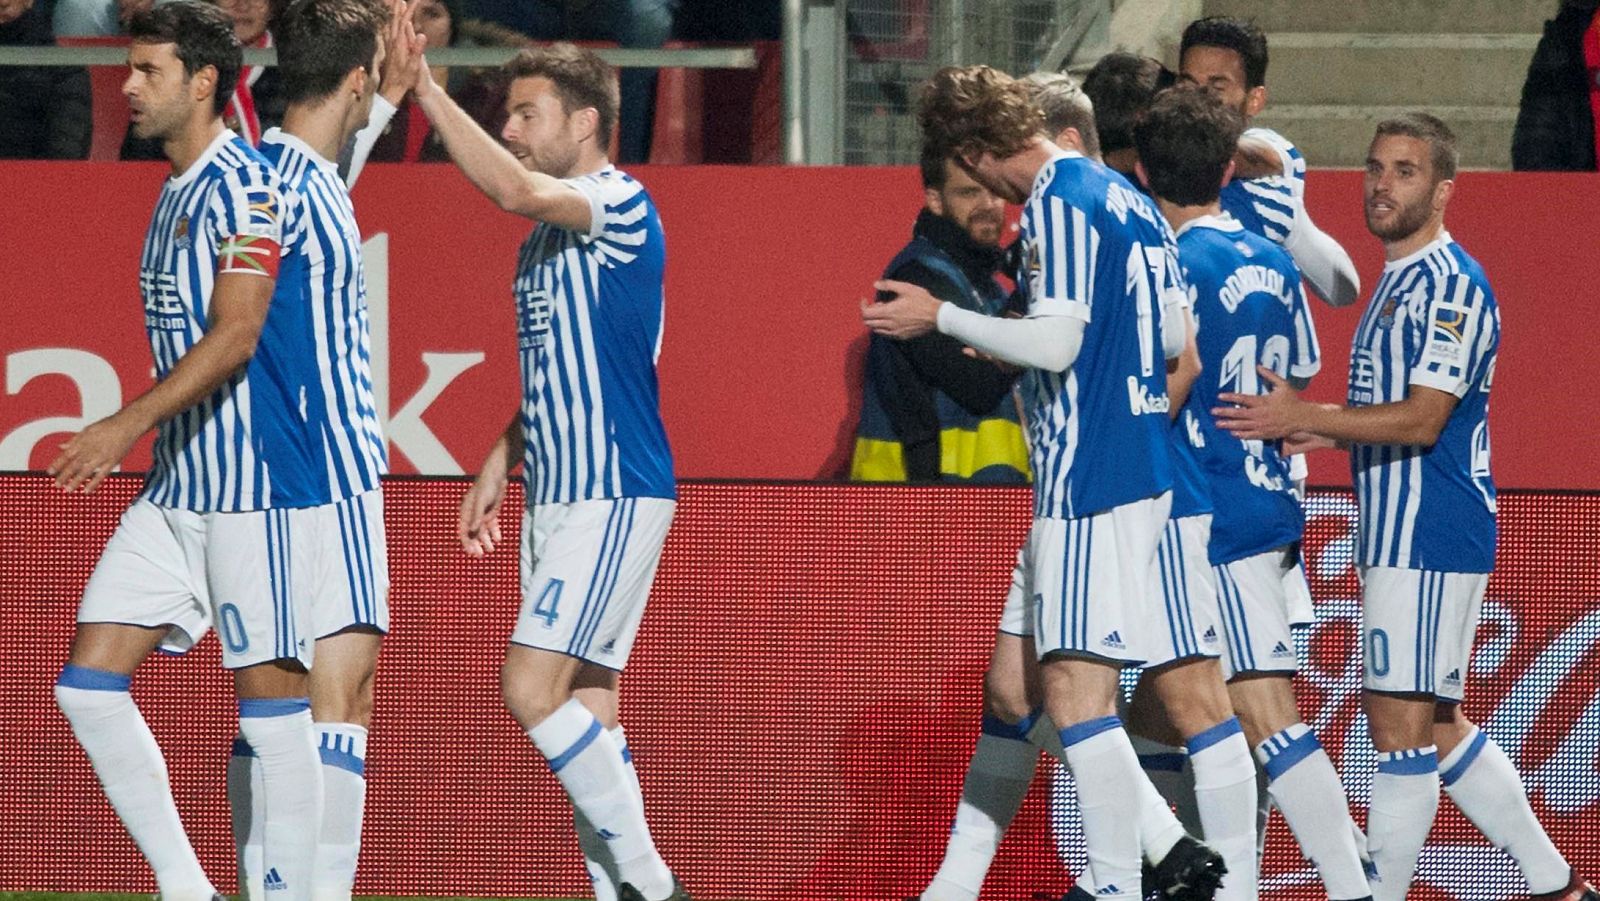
x=1120 y=86
x=581 y=78
x=1186 y=139
x=1425 y=127
x=1064 y=105
x=1238 y=35
x=320 y=41
x=202 y=35
x=972 y=110
x=932 y=164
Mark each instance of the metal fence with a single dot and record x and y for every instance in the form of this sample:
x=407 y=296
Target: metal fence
x=892 y=46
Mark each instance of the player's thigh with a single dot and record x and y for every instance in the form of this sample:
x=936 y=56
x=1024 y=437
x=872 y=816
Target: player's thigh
x=1078 y=689
x=1253 y=611
x=350 y=585
x=148 y=582
x=1184 y=623
x=587 y=569
x=1094 y=579
x=1011 y=684
x=1418 y=628
x=257 y=565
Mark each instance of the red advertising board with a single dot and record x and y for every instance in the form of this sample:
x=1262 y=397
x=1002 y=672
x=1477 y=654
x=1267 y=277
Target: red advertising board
x=762 y=354
x=801 y=701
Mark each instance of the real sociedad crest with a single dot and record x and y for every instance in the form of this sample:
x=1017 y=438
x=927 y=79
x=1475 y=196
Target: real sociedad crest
x=1386 y=315
x=180 y=233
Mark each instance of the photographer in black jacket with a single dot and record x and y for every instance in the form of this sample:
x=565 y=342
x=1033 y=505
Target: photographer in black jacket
x=931 y=412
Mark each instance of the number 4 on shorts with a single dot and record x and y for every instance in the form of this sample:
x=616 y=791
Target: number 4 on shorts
x=548 y=601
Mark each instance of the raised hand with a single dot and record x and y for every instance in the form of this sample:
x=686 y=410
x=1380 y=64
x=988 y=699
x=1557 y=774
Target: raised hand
x=402 y=60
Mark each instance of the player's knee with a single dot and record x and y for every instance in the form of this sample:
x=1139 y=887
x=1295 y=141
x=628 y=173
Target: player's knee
x=83 y=693
x=1006 y=698
x=350 y=703
x=530 y=702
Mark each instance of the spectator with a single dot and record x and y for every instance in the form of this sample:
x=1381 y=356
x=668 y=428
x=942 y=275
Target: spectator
x=96 y=18
x=405 y=135
x=1555 y=128
x=44 y=110
x=930 y=412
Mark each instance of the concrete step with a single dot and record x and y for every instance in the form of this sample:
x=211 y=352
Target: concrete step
x=1403 y=16
x=1338 y=136
x=1392 y=69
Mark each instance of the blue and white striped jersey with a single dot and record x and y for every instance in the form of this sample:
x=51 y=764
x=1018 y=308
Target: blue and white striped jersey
x=1269 y=205
x=246 y=447
x=1094 y=248
x=1248 y=299
x=589 y=314
x=322 y=273
x=1433 y=322
x=1190 y=496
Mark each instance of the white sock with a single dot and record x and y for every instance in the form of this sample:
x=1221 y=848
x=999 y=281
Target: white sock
x=245 y=802
x=281 y=733
x=342 y=748
x=1483 y=782
x=1103 y=766
x=1405 y=797
x=1307 y=790
x=1169 y=771
x=134 y=775
x=1225 y=793
x=589 y=765
x=997 y=780
x=597 y=858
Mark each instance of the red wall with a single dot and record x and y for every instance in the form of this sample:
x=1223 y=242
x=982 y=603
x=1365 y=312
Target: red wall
x=766 y=266
x=801 y=703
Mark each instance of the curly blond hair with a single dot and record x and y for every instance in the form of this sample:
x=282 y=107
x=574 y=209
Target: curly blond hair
x=966 y=111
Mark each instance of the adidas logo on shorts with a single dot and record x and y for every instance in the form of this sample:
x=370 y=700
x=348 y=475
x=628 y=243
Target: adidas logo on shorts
x=1280 y=651
x=1114 y=640
x=275 y=882
x=1454 y=677
x=1211 y=635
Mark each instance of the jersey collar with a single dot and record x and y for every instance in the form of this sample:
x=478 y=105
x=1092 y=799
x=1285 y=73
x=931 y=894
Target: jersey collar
x=1221 y=222
x=279 y=136
x=203 y=160
x=1443 y=240
x=1049 y=168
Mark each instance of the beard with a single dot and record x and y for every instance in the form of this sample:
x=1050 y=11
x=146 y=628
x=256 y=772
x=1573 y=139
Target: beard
x=1405 y=222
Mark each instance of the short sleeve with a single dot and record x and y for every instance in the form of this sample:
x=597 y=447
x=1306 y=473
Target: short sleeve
x=1059 y=260
x=246 y=215
x=1305 y=354
x=1452 y=335
x=618 y=208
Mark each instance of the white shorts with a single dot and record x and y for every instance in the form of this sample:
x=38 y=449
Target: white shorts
x=1093 y=580
x=1297 y=594
x=1417 y=628
x=246 y=573
x=1017 y=617
x=587 y=567
x=350 y=584
x=1255 y=614
x=1188 y=624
